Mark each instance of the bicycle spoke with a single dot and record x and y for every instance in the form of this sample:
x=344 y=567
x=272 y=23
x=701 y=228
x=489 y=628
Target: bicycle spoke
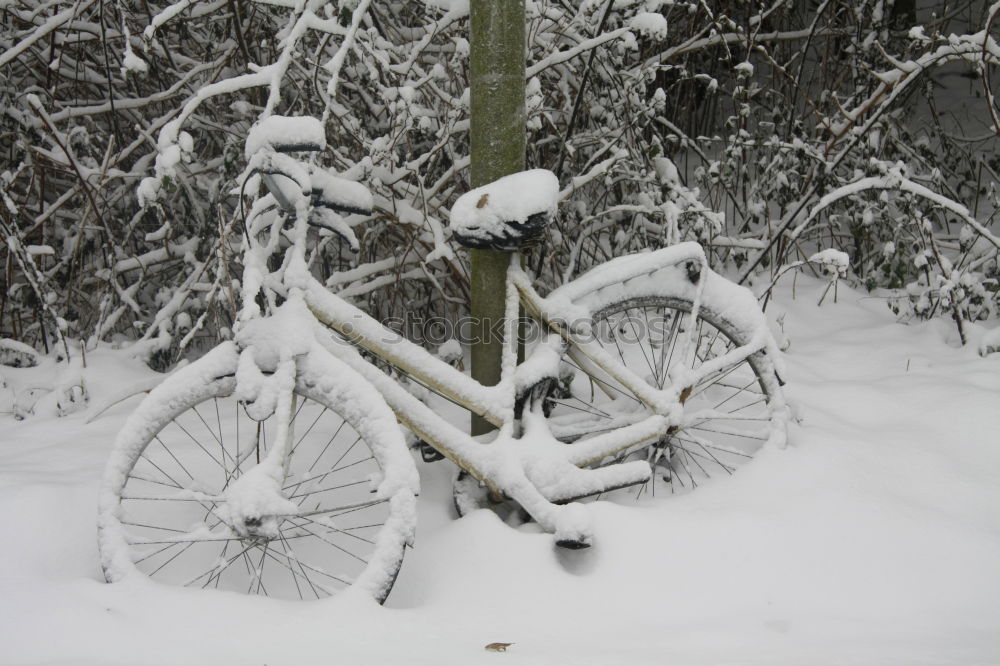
x=344 y=513
x=260 y=570
x=344 y=531
x=707 y=455
x=146 y=479
x=594 y=411
x=309 y=429
x=216 y=437
x=198 y=444
x=304 y=566
x=328 y=542
x=680 y=459
x=330 y=489
x=600 y=381
x=287 y=552
x=157 y=552
x=219 y=539
x=321 y=453
x=734 y=433
x=218 y=579
x=295 y=486
x=715 y=378
x=688 y=437
x=663 y=366
x=614 y=339
x=236 y=420
x=163 y=471
x=174 y=557
x=638 y=339
x=675 y=331
x=347 y=508
x=171 y=498
x=152 y=527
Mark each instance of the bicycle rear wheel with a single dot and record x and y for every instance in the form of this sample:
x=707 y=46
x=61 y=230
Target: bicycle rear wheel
x=164 y=503
x=729 y=414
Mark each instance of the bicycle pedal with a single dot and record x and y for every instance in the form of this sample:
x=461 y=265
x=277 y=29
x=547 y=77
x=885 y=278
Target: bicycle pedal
x=572 y=544
x=429 y=454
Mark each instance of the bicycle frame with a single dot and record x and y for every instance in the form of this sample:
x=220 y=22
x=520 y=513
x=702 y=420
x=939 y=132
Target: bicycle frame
x=495 y=403
x=536 y=471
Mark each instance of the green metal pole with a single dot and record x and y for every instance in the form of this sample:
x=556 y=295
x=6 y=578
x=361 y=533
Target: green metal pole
x=498 y=145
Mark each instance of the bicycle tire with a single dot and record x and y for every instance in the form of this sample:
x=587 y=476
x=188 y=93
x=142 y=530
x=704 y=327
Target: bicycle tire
x=163 y=513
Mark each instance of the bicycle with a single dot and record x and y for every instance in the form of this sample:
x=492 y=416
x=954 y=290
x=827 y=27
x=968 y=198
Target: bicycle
x=275 y=465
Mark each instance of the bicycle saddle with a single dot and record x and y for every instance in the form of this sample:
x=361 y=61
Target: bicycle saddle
x=508 y=214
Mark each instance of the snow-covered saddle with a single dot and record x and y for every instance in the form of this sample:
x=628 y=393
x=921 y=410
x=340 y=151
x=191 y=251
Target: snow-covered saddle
x=507 y=214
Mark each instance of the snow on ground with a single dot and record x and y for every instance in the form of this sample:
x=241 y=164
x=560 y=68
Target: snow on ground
x=872 y=539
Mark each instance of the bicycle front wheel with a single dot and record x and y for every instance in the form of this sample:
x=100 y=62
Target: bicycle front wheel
x=163 y=506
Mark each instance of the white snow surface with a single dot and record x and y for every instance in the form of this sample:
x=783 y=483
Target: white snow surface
x=873 y=538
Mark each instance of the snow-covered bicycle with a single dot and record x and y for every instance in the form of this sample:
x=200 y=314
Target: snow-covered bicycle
x=275 y=465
